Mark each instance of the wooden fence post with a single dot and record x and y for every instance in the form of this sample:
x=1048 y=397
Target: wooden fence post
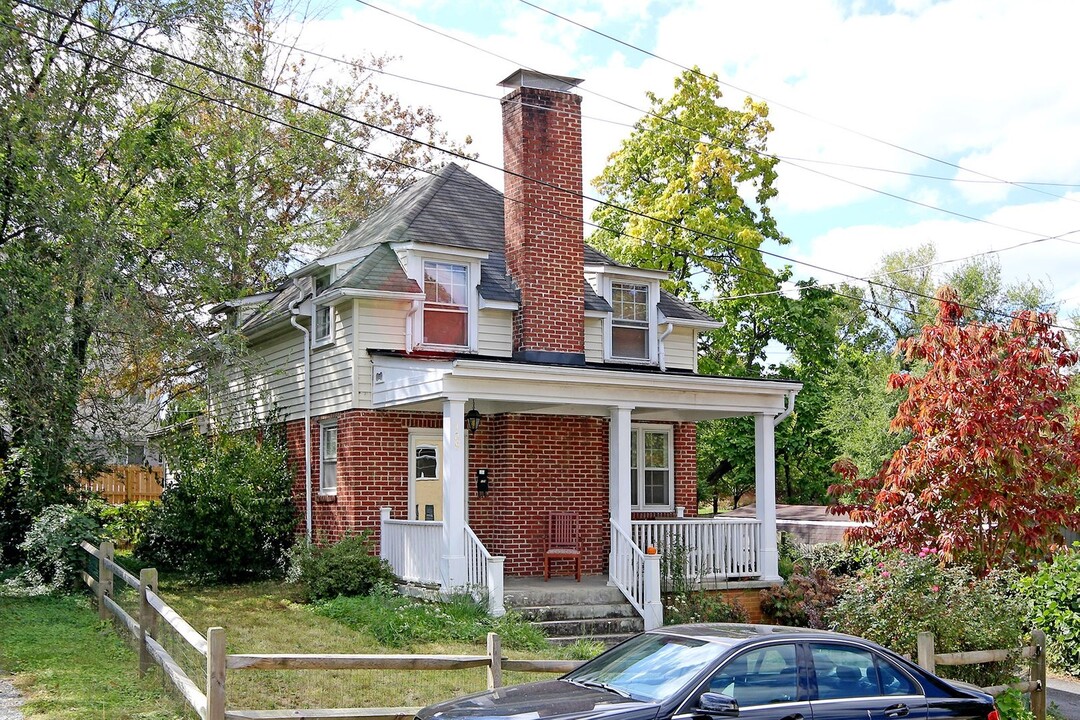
x=1038 y=674
x=105 y=578
x=926 y=651
x=494 y=648
x=148 y=580
x=215 y=673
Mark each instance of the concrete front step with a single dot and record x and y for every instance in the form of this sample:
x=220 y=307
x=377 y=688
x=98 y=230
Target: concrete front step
x=561 y=594
x=590 y=627
x=567 y=611
x=545 y=613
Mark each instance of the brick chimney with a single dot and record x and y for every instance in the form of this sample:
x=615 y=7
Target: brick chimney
x=543 y=224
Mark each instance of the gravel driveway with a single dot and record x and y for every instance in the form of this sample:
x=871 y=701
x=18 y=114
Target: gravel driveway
x=10 y=700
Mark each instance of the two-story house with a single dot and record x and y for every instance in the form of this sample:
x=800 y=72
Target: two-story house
x=460 y=365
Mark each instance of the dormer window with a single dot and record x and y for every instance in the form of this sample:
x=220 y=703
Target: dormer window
x=630 y=322
x=324 y=325
x=446 y=303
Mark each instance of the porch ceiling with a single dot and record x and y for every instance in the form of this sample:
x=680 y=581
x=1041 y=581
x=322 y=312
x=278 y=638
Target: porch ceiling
x=514 y=387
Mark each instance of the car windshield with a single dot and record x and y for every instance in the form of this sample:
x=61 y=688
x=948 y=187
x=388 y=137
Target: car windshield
x=648 y=667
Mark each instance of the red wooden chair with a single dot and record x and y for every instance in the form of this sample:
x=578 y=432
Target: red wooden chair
x=563 y=542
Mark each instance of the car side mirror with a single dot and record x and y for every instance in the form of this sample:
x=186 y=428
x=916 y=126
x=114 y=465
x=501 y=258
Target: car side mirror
x=718 y=704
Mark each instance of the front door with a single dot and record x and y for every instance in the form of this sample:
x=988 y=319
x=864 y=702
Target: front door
x=425 y=476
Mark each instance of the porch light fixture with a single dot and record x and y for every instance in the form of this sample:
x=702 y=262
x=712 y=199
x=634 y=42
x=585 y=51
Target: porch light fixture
x=472 y=419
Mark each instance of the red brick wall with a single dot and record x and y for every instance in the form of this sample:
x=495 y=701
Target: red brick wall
x=537 y=464
x=543 y=224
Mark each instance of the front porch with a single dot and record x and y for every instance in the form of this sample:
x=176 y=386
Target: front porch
x=616 y=446
x=706 y=552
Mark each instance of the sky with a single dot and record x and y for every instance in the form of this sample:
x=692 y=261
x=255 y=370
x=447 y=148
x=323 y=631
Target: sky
x=979 y=95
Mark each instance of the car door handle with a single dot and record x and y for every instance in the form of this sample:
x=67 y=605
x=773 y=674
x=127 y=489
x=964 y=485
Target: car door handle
x=896 y=711
x=796 y=716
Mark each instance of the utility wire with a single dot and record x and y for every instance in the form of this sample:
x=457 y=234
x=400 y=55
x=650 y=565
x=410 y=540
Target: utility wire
x=698 y=132
x=775 y=103
x=447 y=151
x=785 y=158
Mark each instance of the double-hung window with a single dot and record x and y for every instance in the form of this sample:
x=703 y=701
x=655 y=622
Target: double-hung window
x=651 y=468
x=630 y=321
x=324 y=324
x=328 y=459
x=446 y=303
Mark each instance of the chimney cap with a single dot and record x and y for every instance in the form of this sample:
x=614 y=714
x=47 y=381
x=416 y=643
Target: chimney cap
x=543 y=81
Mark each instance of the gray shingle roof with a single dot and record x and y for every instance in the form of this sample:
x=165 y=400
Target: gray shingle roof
x=452 y=208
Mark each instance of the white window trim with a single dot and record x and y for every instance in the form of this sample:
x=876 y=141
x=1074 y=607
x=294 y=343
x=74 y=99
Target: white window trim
x=637 y=436
x=607 y=280
x=316 y=307
x=414 y=262
x=323 y=427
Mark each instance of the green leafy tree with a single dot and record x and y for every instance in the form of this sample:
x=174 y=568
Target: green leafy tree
x=127 y=206
x=989 y=474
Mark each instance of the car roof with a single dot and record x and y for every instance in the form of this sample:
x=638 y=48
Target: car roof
x=732 y=634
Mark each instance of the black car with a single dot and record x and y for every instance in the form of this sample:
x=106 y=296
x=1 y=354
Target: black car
x=748 y=671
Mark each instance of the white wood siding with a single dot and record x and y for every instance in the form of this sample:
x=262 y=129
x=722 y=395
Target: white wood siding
x=594 y=340
x=681 y=348
x=380 y=324
x=271 y=375
x=332 y=367
x=496 y=332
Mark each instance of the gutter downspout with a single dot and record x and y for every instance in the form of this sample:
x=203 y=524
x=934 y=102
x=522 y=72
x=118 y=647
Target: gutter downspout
x=294 y=308
x=415 y=308
x=660 y=347
x=790 y=395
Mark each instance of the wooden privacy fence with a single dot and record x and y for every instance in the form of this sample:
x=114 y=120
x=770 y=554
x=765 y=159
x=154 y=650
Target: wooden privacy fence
x=1036 y=652
x=127 y=483
x=210 y=705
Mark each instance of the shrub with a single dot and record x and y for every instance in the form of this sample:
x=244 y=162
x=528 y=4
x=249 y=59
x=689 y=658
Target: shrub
x=125 y=524
x=1053 y=594
x=840 y=559
x=347 y=567
x=51 y=548
x=702 y=606
x=226 y=513
x=893 y=601
x=803 y=600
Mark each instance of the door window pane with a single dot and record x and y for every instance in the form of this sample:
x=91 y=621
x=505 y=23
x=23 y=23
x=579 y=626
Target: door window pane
x=844 y=672
x=760 y=677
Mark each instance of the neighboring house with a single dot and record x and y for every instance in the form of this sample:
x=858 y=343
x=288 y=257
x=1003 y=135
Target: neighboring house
x=453 y=304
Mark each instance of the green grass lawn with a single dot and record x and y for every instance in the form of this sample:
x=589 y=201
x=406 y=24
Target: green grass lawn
x=70 y=665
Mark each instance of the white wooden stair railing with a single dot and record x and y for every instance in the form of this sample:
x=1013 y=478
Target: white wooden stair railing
x=637 y=574
x=485 y=572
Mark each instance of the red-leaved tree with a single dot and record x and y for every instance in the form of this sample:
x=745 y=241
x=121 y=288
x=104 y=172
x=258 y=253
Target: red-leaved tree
x=989 y=476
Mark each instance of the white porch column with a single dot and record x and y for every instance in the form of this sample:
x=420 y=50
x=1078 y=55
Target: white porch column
x=765 y=490
x=619 y=470
x=453 y=571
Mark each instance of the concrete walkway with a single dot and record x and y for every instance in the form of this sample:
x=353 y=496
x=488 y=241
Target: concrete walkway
x=1065 y=693
x=10 y=699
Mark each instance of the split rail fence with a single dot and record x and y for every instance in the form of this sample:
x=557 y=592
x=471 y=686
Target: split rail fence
x=206 y=695
x=208 y=699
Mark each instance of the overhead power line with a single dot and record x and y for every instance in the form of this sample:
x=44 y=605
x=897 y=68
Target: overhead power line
x=698 y=132
x=776 y=103
x=433 y=146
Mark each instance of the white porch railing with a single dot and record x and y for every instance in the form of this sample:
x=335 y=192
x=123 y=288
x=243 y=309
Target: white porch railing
x=485 y=571
x=637 y=575
x=714 y=548
x=412 y=548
